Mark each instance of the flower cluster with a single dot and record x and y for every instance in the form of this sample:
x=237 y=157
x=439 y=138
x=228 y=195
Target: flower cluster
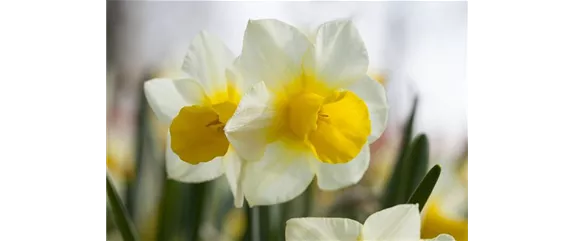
x=289 y=108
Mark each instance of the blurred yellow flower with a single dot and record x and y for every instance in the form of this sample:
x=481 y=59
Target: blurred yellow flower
x=435 y=222
x=463 y=173
x=197 y=106
x=398 y=223
x=235 y=223
x=119 y=160
x=309 y=113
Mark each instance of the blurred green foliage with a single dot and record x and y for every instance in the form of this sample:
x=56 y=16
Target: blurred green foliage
x=119 y=213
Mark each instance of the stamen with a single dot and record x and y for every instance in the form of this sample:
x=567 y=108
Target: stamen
x=213 y=123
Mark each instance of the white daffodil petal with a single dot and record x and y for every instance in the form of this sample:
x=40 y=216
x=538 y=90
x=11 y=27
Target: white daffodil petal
x=272 y=52
x=401 y=222
x=207 y=59
x=185 y=172
x=191 y=91
x=314 y=229
x=281 y=175
x=340 y=56
x=375 y=96
x=232 y=163
x=336 y=176
x=164 y=98
x=248 y=128
x=442 y=237
x=235 y=76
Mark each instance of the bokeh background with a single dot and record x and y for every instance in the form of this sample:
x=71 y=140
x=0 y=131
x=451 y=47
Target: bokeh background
x=416 y=49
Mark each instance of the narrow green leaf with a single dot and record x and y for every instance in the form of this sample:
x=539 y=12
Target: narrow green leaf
x=408 y=172
x=391 y=193
x=119 y=212
x=408 y=132
x=424 y=190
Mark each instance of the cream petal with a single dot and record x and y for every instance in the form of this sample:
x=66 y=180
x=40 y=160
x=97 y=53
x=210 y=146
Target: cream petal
x=374 y=95
x=164 y=98
x=337 y=176
x=272 y=52
x=401 y=222
x=235 y=76
x=233 y=171
x=281 y=175
x=314 y=229
x=185 y=172
x=206 y=60
x=340 y=57
x=442 y=237
x=248 y=128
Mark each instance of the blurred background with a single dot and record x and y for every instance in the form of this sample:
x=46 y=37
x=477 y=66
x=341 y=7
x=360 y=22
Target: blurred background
x=416 y=49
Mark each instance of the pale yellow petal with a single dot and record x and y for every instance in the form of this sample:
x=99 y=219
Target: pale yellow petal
x=233 y=173
x=282 y=174
x=442 y=237
x=206 y=60
x=249 y=127
x=166 y=97
x=322 y=229
x=340 y=57
x=337 y=176
x=401 y=222
x=272 y=52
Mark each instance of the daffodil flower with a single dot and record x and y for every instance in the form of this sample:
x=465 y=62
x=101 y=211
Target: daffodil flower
x=197 y=108
x=313 y=111
x=398 y=223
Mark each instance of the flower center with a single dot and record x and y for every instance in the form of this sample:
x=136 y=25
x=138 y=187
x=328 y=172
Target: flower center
x=197 y=132
x=335 y=127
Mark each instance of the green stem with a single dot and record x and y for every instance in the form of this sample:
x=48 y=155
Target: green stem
x=197 y=208
x=308 y=201
x=141 y=131
x=285 y=214
x=254 y=224
x=264 y=222
x=247 y=234
x=169 y=216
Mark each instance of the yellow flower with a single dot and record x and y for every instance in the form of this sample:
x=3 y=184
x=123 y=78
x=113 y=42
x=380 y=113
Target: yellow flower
x=313 y=111
x=435 y=221
x=235 y=223
x=119 y=158
x=197 y=107
x=398 y=223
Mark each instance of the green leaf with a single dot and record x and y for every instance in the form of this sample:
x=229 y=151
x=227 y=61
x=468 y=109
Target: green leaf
x=408 y=132
x=408 y=172
x=119 y=212
x=424 y=190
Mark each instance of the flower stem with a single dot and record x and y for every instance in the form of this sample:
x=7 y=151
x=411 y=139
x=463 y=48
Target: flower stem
x=253 y=218
x=264 y=221
x=308 y=201
x=285 y=214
